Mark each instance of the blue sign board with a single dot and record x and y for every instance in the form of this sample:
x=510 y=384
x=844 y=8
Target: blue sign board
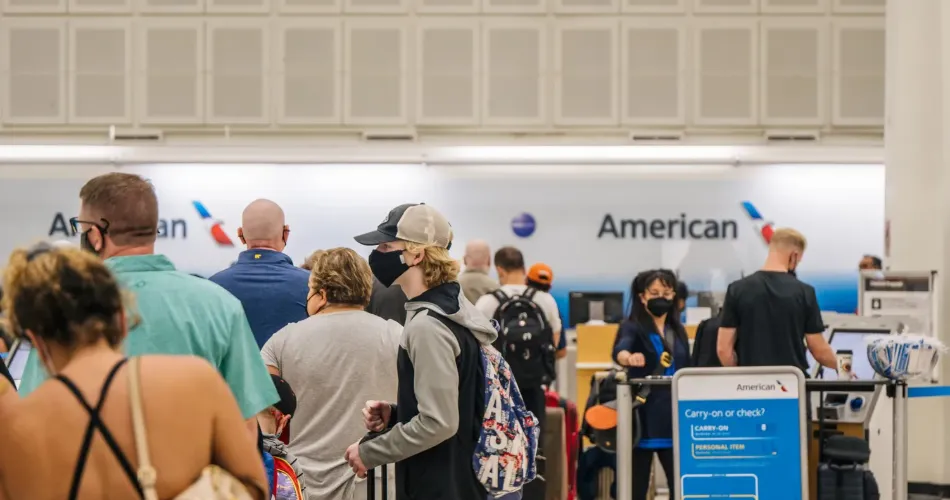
x=740 y=433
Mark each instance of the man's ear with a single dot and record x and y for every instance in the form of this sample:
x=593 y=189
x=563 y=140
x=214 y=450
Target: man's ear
x=286 y=233
x=282 y=423
x=240 y=233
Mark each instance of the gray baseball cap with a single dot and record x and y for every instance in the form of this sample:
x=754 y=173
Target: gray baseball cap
x=413 y=222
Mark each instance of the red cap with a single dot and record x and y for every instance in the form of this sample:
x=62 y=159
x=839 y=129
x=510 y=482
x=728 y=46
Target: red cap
x=541 y=273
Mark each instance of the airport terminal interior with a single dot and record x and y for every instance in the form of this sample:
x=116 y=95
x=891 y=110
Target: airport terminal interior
x=469 y=249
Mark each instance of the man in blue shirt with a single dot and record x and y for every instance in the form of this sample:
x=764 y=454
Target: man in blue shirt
x=273 y=291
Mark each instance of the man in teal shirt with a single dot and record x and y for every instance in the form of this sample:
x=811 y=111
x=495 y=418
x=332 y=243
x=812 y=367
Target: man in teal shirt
x=179 y=313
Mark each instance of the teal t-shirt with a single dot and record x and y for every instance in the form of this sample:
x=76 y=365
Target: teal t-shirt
x=184 y=314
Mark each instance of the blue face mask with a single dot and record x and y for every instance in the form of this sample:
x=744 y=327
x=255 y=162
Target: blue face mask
x=387 y=267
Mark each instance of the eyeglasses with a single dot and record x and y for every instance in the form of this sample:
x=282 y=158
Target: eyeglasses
x=104 y=227
x=75 y=223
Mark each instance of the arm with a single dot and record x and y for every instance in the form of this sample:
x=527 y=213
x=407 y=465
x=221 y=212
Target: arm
x=814 y=332
x=628 y=353
x=244 y=371
x=821 y=350
x=561 y=345
x=270 y=353
x=433 y=350
x=729 y=323
x=237 y=456
x=726 y=346
x=553 y=315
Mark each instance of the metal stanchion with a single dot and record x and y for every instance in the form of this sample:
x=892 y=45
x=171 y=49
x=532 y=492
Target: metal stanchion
x=900 y=442
x=624 y=474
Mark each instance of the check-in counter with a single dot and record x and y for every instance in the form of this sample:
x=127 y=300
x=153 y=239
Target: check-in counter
x=595 y=345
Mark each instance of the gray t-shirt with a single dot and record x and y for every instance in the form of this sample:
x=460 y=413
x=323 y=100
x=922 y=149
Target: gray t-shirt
x=335 y=363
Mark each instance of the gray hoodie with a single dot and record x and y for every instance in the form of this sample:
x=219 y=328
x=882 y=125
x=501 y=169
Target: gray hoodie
x=439 y=368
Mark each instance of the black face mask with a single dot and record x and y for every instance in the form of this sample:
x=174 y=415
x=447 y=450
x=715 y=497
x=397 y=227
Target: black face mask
x=659 y=306
x=793 y=273
x=85 y=244
x=387 y=266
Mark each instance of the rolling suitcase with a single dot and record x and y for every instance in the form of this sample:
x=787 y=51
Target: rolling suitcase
x=371 y=484
x=371 y=475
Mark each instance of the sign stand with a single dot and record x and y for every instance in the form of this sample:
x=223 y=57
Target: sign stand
x=910 y=295
x=740 y=433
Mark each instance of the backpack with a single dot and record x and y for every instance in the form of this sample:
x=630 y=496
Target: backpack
x=525 y=338
x=704 y=345
x=844 y=473
x=286 y=484
x=504 y=458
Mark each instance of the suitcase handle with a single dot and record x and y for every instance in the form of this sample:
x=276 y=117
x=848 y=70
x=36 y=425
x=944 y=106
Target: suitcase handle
x=371 y=473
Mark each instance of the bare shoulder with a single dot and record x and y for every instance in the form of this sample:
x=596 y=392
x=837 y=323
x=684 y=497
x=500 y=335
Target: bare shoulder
x=176 y=371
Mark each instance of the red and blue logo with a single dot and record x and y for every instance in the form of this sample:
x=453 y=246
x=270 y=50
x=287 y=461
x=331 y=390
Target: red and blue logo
x=215 y=227
x=781 y=386
x=762 y=226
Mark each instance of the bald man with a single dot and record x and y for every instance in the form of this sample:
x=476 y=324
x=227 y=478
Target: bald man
x=273 y=291
x=475 y=280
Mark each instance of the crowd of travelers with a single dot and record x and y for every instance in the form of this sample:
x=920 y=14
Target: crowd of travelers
x=263 y=381
x=145 y=381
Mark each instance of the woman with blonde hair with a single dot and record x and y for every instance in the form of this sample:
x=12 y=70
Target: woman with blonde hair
x=336 y=360
x=72 y=438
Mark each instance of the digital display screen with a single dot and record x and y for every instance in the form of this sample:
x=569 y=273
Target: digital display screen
x=856 y=342
x=16 y=360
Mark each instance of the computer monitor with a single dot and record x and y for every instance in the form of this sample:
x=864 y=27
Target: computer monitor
x=16 y=359
x=854 y=340
x=586 y=306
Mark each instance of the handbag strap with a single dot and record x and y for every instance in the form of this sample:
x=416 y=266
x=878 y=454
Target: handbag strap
x=146 y=473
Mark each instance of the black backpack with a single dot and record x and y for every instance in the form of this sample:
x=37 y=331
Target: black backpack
x=525 y=338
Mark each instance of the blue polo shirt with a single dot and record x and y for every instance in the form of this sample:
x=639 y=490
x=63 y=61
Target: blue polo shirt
x=272 y=290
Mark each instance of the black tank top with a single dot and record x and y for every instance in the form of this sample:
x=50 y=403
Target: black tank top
x=96 y=423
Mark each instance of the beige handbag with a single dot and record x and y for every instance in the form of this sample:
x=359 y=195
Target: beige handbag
x=215 y=483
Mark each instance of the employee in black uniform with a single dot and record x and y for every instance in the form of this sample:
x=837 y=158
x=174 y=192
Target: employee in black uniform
x=651 y=333
x=769 y=317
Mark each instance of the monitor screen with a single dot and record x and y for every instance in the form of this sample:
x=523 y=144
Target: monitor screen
x=856 y=342
x=16 y=360
x=579 y=306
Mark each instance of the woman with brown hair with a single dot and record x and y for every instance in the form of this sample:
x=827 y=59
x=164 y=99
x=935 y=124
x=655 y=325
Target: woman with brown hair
x=73 y=437
x=336 y=360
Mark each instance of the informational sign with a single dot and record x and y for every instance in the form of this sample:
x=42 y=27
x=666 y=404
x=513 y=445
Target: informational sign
x=740 y=433
x=909 y=295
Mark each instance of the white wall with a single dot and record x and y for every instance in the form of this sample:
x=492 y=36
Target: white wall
x=499 y=65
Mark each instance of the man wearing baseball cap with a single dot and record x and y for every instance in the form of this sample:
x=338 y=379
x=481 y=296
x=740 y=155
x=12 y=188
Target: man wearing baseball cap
x=540 y=276
x=434 y=426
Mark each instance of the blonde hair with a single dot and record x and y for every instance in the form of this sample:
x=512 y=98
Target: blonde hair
x=343 y=274
x=437 y=266
x=788 y=238
x=308 y=262
x=62 y=295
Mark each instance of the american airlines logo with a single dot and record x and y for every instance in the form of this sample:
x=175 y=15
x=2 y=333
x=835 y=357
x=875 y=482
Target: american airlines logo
x=761 y=387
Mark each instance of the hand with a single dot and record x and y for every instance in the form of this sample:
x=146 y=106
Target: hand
x=376 y=415
x=352 y=457
x=636 y=360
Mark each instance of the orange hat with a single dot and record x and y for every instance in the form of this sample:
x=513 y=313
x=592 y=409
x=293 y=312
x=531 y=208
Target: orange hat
x=541 y=273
